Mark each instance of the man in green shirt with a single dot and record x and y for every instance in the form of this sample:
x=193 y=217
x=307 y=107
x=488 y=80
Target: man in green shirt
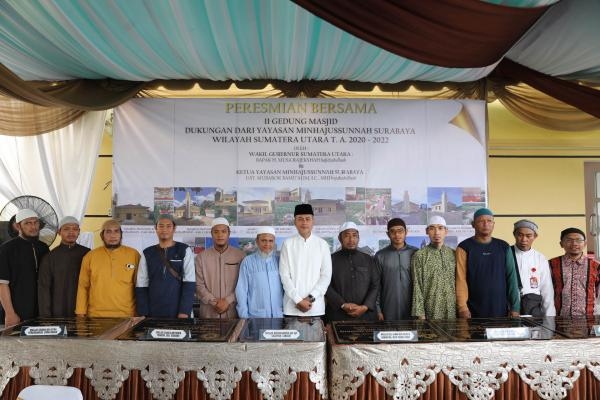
x=433 y=274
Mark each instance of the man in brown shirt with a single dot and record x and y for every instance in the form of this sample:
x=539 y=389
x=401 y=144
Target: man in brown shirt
x=217 y=271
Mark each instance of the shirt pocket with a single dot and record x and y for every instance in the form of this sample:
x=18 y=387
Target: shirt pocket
x=232 y=268
x=126 y=274
x=362 y=274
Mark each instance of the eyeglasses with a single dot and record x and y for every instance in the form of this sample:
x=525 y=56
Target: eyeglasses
x=571 y=241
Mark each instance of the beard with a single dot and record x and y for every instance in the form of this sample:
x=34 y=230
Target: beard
x=30 y=237
x=265 y=255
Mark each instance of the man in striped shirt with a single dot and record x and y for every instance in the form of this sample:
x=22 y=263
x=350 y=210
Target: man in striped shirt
x=259 y=292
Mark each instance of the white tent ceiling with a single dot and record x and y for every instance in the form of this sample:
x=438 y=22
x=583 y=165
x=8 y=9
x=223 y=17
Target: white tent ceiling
x=141 y=40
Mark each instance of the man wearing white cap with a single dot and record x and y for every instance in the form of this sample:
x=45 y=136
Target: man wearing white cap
x=20 y=259
x=259 y=292
x=59 y=272
x=433 y=270
x=533 y=272
x=352 y=293
x=217 y=271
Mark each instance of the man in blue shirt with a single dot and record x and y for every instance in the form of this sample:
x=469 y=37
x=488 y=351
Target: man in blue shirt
x=166 y=277
x=259 y=291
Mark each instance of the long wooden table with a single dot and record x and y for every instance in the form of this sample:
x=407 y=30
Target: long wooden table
x=122 y=369
x=528 y=369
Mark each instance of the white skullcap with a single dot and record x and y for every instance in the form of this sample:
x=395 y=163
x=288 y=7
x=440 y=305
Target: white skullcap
x=24 y=214
x=265 y=229
x=437 y=220
x=348 y=225
x=68 y=220
x=219 y=221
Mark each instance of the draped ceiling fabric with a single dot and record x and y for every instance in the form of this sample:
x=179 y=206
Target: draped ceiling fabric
x=71 y=56
x=20 y=118
x=416 y=30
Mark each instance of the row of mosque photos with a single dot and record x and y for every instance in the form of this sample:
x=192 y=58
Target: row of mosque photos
x=198 y=206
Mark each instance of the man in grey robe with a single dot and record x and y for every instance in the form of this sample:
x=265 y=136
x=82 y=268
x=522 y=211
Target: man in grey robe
x=395 y=300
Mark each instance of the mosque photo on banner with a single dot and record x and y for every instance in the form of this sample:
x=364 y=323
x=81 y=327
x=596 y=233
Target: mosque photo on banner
x=355 y=204
x=163 y=201
x=134 y=214
x=328 y=204
x=255 y=206
x=378 y=206
x=200 y=205
x=410 y=204
x=286 y=199
x=189 y=205
x=449 y=202
x=473 y=199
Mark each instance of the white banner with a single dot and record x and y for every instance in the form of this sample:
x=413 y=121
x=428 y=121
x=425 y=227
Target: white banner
x=252 y=161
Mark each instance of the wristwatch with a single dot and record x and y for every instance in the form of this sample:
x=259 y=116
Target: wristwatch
x=311 y=298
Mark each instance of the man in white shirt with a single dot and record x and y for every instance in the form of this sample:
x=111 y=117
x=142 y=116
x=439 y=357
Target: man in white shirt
x=304 y=267
x=533 y=270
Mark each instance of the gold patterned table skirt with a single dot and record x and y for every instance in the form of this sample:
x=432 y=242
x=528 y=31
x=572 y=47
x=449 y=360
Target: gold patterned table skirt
x=113 y=369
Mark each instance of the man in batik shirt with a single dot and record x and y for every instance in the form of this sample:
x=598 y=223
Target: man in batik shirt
x=575 y=276
x=433 y=271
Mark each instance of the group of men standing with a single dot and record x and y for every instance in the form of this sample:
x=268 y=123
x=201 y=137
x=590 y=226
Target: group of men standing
x=495 y=279
x=484 y=277
x=115 y=280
